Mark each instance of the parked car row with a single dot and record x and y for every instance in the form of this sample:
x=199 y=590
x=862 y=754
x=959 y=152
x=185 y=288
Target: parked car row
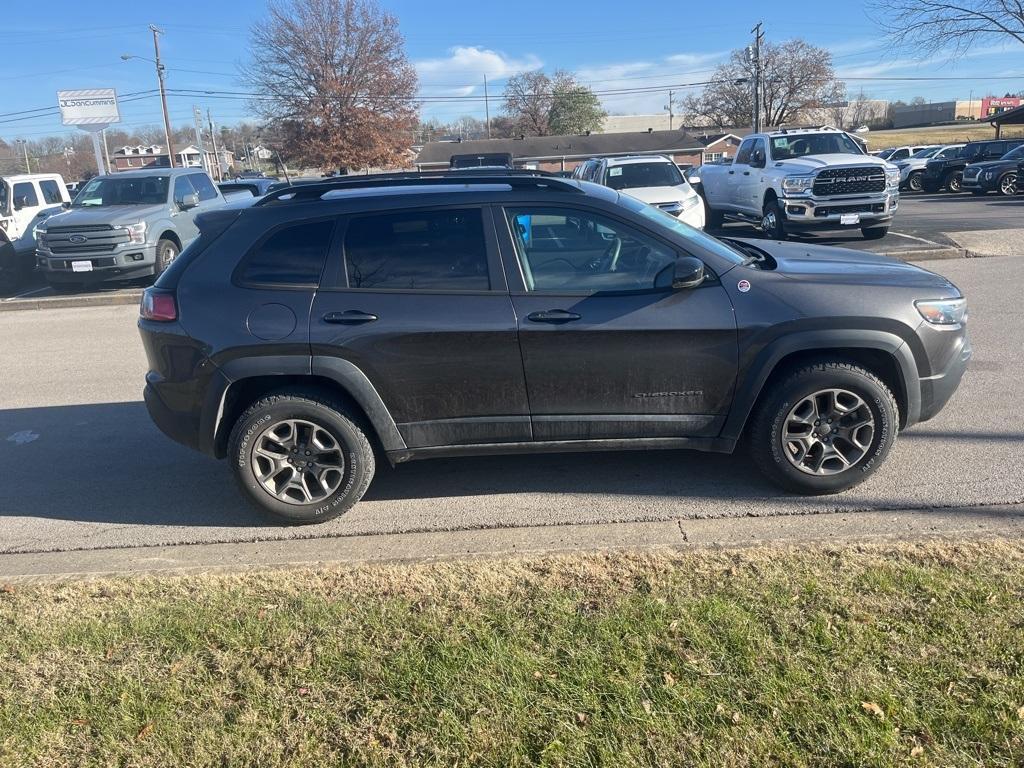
x=980 y=167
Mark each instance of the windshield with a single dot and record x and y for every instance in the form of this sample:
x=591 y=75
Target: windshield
x=669 y=222
x=926 y=152
x=636 y=175
x=1014 y=154
x=885 y=154
x=801 y=144
x=3 y=196
x=134 y=190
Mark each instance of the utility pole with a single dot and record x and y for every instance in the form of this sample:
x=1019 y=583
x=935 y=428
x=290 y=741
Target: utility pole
x=758 y=37
x=163 y=92
x=106 y=151
x=671 y=95
x=487 y=109
x=24 y=146
x=216 y=152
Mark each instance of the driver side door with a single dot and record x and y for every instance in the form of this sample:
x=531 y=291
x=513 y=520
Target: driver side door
x=610 y=350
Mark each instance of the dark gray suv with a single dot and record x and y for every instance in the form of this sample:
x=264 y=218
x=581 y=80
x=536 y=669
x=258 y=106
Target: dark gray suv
x=333 y=325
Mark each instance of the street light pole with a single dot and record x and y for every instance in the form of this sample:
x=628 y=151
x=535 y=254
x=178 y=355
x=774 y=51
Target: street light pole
x=163 y=93
x=24 y=146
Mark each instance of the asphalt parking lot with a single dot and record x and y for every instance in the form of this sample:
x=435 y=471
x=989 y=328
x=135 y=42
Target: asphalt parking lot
x=86 y=469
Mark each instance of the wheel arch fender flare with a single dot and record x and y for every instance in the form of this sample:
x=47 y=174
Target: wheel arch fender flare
x=298 y=370
x=167 y=232
x=750 y=384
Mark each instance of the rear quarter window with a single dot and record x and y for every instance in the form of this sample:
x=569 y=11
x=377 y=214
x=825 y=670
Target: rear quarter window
x=292 y=255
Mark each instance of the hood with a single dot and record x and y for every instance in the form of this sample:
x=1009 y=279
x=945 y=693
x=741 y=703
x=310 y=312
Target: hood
x=108 y=214
x=826 y=263
x=655 y=195
x=814 y=162
x=994 y=164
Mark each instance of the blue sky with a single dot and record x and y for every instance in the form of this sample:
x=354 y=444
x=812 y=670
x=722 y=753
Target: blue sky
x=64 y=44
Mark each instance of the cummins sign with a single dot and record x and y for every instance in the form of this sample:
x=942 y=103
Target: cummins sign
x=88 y=107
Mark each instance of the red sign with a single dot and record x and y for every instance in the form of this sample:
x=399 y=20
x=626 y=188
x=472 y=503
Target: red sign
x=992 y=105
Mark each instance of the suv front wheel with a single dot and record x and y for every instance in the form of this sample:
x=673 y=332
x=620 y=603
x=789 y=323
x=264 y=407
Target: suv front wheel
x=298 y=457
x=824 y=428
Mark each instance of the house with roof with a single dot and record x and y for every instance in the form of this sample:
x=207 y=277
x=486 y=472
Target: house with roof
x=133 y=157
x=564 y=153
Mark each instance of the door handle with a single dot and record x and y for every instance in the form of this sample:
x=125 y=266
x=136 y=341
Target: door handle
x=553 y=316
x=746 y=173
x=349 y=317
x=731 y=172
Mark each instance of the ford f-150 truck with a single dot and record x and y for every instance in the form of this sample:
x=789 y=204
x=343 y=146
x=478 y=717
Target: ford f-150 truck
x=124 y=225
x=803 y=179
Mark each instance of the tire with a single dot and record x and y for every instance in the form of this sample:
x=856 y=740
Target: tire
x=874 y=233
x=786 y=402
x=914 y=183
x=346 y=473
x=1008 y=184
x=166 y=252
x=772 y=221
x=954 y=182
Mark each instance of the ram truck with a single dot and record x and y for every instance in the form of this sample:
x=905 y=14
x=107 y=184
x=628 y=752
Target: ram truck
x=801 y=179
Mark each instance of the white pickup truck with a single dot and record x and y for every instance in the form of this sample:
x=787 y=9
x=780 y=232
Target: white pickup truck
x=25 y=200
x=803 y=178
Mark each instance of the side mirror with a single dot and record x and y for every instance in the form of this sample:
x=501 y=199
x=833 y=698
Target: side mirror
x=689 y=272
x=20 y=202
x=66 y=204
x=188 y=201
x=693 y=179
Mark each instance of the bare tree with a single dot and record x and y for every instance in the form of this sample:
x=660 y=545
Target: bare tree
x=335 y=85
x=795 y=77
x=931 y=26
x=539 y=105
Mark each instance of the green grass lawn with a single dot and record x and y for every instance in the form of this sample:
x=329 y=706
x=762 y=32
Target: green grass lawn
x=888 y=655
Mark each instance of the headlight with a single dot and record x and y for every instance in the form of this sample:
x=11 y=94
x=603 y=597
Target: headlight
x=136 y=232
x=691 y=202
x=892 y=177
x=797 y=184
x=39 y=233
x=943 y=311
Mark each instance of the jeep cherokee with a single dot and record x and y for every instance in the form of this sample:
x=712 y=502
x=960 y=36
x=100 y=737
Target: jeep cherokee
x=332 y=325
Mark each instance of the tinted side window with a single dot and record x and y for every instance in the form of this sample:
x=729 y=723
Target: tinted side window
x=182 y=188
x=293 y=255
x=563 y=249
x=743 y=156
x=203 y=186
x=51 y=191
x=27 y=190
x=427 y=250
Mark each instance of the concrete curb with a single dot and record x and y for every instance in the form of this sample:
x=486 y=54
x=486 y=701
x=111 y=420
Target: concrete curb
x=1001 y=521
x=930 y=254
x=65 y=302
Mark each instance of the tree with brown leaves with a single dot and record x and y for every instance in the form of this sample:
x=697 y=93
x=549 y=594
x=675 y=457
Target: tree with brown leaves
x=334 y=83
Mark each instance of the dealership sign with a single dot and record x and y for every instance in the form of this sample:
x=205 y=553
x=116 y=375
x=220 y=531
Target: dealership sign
x=89 y=107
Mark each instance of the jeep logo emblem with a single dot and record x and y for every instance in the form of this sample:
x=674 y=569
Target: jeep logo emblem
x=78 y=239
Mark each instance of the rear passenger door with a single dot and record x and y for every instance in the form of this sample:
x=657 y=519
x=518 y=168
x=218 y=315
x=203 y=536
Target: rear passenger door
x=417 y=301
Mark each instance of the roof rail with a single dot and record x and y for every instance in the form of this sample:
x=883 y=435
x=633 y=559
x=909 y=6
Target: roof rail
x=513 y=178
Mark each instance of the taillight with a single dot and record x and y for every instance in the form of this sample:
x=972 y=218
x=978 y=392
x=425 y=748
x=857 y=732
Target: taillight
x=158 y=305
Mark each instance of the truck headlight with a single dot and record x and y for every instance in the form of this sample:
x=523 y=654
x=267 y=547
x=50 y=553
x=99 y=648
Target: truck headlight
x=40 y=235
x=691 y=202
x=892 y=177
x=797 y=184
x=136 y=232
x=943 y=311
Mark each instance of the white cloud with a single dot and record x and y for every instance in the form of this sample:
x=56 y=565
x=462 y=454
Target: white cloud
x=461 y=72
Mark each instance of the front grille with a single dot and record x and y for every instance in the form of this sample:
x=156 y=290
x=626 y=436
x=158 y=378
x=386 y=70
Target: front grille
x=833 y=210
x=972 y=173
x=81 y=228
x=63 y=246
x=849 y=181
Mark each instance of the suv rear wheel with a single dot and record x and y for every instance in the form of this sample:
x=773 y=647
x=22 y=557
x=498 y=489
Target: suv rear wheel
x=824 y=428
x=300 y=458
x=954 y=182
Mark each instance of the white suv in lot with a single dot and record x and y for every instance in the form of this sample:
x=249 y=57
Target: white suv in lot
x=653 y=179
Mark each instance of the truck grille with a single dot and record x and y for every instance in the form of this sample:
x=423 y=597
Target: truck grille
x=849 y=181
x=89 y=238
x=831 y=210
